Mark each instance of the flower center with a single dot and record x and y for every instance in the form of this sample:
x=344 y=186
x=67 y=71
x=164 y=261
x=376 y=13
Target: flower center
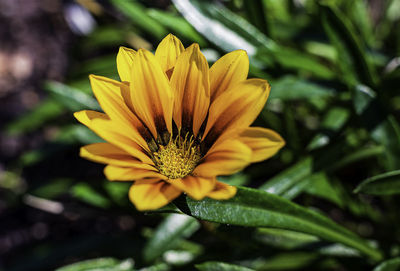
x=178 y=158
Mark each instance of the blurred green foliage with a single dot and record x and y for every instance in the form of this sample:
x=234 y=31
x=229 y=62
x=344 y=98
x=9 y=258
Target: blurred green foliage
x=332 y=201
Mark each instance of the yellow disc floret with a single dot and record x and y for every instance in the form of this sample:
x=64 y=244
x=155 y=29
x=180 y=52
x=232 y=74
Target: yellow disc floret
x=178 y=158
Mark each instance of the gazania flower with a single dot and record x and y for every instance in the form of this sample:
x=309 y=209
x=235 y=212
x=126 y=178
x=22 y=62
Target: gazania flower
x=173 y=124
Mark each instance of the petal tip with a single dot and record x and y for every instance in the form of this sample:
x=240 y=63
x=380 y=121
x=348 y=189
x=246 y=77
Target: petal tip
x=170 y=36
x=81 y=116
x=123 y=49
x=223 y=191
x=194 y=47
x=82 y=151
x=242 y=52
x=77 y=114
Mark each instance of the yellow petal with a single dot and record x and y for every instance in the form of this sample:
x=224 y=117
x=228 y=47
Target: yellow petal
x=195 y=187
x=236 y=108
x=263 y=142
x=227 y=71
x=190 y=83
x=125 y=62
x=86 y=116
x=109 y=94
x=152 y=97
x=222 y=191
x=168 y=51
x=152 y=196
x=115 y=173
x=224 y=158
x=113 y=133
x=107 y=153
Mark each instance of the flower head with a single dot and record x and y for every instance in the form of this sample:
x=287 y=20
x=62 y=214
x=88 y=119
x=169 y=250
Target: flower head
x=173 y=124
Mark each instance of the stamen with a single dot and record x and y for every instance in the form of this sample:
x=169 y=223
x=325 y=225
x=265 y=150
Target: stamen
x=179 y=157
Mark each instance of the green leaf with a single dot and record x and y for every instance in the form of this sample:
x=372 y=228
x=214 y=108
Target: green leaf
x=183 y=252
x=72 y=98
x=320 y=186
x=383 y=127
x=351 y=60
x=292 y=88
x=53 y=188
x=255 y=208
x=363 y=153
x=104 y=36
x=64 y=138
x=178 y=257
x=235 y=179
x=45 y=111
x=284 y=239
x=320 y=49
x=296 y=60
x=216 y=32
x=389 y=265
x=136 y=12
x=256 y=15
x=383 y=184
x=229 y=31
x=220 y=266
x=168 y=233
x=87 y=194
x=104 y=66
x=317 y=185
x=77 y=133
x=178 y=25
x=332 y=122
x=286 y=261
x=100 y=264
x=117 y=191
x=156 y=267
x=359 y=11
x=287 y=178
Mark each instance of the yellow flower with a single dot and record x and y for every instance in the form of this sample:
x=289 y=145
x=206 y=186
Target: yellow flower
x=173 y=124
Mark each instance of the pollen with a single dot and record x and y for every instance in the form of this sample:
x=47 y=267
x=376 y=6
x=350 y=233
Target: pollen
x=178 y=158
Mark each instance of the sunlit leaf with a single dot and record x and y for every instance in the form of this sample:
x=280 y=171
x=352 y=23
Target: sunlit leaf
x=215 y=31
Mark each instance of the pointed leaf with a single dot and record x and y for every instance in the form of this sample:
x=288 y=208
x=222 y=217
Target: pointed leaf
x=383 y=184
x=255 y=208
